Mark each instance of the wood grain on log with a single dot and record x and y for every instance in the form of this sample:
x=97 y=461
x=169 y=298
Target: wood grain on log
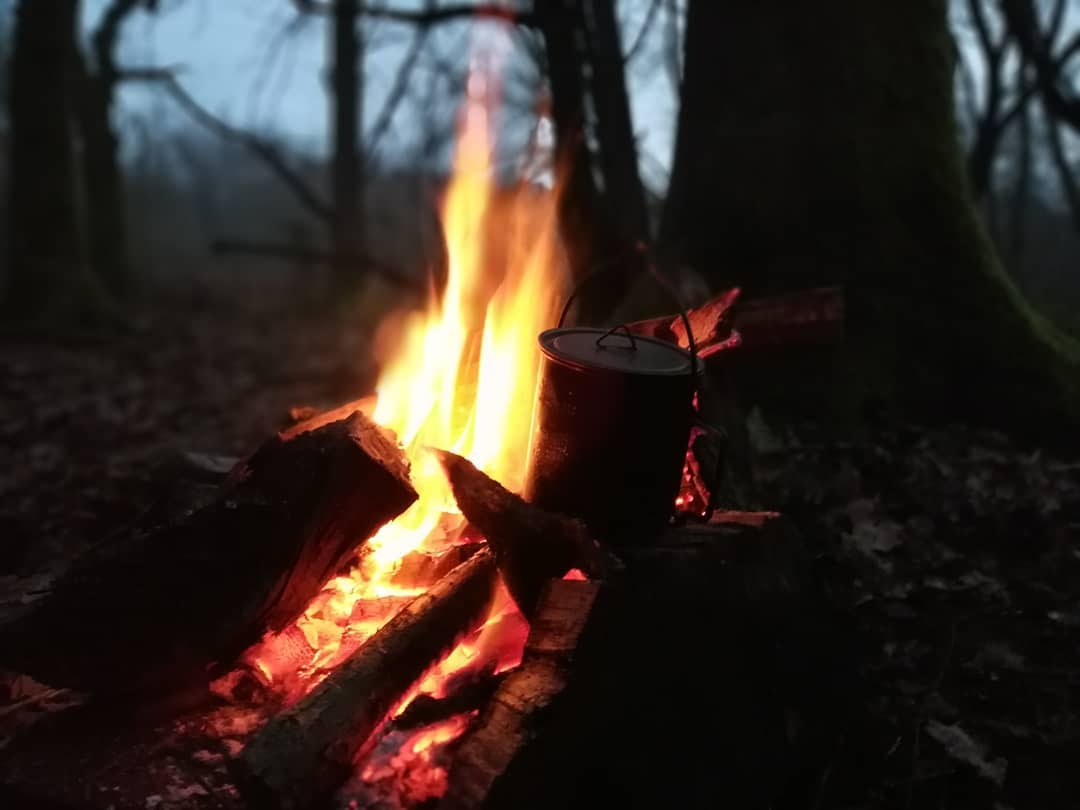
x=530 y=545
x=160 y=605
x=303 y=754
x=511 y=718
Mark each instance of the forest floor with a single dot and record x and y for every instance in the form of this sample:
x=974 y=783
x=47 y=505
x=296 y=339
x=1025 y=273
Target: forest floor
x=954 y=555
x=951 y=553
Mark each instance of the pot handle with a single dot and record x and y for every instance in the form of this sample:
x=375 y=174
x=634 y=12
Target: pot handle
x=663 y=283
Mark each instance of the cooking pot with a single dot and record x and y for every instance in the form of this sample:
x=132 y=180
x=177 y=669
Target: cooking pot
x=611 y=428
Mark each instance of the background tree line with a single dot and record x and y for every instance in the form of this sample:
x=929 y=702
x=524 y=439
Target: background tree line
x=810 y=148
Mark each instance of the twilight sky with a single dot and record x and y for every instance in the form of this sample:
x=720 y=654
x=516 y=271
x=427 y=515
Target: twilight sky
x=259 y=65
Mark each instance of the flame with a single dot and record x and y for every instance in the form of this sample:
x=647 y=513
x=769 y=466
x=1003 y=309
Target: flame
x=461 y=377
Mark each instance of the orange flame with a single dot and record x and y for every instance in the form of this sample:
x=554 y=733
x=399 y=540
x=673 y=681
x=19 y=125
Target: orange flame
x=462 y=378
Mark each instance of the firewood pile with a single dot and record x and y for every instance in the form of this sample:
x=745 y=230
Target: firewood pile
x=686 y=672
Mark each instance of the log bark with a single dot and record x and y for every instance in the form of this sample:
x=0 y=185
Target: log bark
x=806 y=318
x=530 y=545
x=303 y=754
x=160 y=605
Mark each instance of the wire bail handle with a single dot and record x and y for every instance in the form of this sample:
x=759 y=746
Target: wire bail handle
x=612 y=264
x=610 y=332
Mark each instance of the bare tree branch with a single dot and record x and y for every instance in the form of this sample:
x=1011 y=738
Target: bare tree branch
x=1057 y=19
x=1032 y=85
x=646 y=24
x=104 y=38
x=401 y=84
x=1022 y=188
x=430 y=16
x=988 y=128
x=1070 y=186
x=672 y=46
x=1059 y=100
x=971 y=92
x=270 y=250
x=260 y=148
x=982 y=31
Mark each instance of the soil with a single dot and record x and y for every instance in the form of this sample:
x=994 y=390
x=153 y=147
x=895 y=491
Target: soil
x=951 y=555
x=954 y=556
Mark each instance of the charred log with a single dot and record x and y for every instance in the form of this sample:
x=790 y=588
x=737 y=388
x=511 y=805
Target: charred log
x=158 y=606
x=303 y=754
x=517 y=708
x=470 y=695
x=530 y=545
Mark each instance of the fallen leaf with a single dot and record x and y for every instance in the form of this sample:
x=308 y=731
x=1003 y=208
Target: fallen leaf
x=962 y=747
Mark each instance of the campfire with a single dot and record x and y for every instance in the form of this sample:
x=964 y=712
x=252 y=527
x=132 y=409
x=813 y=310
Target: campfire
x=369 y=586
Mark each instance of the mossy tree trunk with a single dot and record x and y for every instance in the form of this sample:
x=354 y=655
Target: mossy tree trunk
x=817 y=145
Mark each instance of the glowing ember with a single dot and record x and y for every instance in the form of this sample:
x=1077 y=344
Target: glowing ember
x=408 y=767
x=462 y=378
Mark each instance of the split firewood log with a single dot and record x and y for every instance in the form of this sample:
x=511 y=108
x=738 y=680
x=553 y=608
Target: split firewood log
x=727 y=322
x=530 y=545
x=161 y=605
x=304 y=753
x=710 y=323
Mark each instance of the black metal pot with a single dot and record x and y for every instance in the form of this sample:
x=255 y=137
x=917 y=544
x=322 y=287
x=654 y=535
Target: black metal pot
x=609 y=437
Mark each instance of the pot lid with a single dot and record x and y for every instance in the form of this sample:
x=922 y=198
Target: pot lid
x=615 y=351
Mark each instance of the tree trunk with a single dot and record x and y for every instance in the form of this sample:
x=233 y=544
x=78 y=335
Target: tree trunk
x=46 y=253
x=600 y=225
x=106 y=224
x=817 y=145
x=347 y=113
x=582 y=223
x=616 y=146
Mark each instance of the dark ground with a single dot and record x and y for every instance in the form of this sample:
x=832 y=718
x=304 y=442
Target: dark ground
x=952 y=555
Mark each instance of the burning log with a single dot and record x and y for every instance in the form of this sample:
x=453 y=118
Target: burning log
x=471 y=694
x=517 y=708
x=530 y=545
x=157 y=607
x=710 y=323
x=304 y=753
x=725 y=322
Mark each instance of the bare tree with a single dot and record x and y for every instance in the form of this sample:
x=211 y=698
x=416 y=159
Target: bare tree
x=1007 y=92
x=46 y=270
x=1048 y=57
x=346 y=168
x=106 y=225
